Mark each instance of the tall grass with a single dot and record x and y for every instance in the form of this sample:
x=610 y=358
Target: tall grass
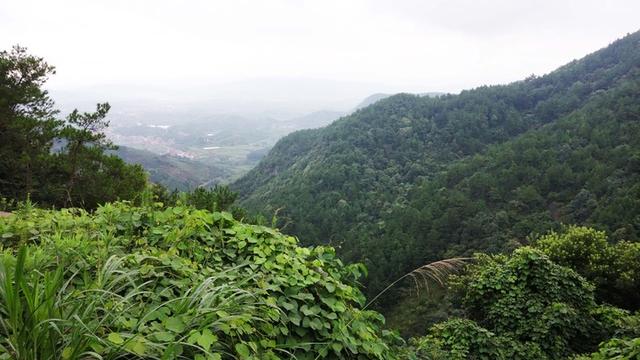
x=64 y=314
x=436 y=272
x=42 y=316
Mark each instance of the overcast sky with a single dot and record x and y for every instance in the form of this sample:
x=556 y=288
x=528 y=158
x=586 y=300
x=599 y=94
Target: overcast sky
x=410 y=45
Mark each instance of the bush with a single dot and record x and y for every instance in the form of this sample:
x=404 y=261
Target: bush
x=619 y=349
x=613 y=268
x=464 y=339
x=522 y=306
x=175 y=283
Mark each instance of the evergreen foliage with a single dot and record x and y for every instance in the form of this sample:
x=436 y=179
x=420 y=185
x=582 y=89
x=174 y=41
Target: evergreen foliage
x=54 y=162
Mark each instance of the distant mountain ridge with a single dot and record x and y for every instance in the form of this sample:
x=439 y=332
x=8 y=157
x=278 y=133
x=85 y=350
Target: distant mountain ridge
x=372 y=99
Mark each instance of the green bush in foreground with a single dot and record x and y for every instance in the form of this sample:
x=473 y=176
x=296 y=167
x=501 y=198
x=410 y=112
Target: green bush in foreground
x=523 y=306
x=616 y=349
x=128 y=282
x=464 y=339
x=613 y=268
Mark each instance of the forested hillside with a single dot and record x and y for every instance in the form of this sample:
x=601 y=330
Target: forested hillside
x=582 y=169
x=410 y=178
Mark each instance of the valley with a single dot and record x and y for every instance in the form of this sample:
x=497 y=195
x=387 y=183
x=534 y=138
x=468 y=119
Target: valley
x=188 y=149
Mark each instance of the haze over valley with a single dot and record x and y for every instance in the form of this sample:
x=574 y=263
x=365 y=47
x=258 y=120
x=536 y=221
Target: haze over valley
x=223 y=101
x=205 y=143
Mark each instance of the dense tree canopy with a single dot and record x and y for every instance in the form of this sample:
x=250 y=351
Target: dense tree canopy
x=27 y=122
x=614 y=268
x=577 y=170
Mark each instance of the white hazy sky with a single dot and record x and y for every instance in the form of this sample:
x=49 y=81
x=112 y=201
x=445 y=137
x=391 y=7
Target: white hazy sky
x=410 y=45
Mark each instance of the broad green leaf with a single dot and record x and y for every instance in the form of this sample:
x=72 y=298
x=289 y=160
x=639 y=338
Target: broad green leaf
x=138 y=346
x=243 y=350
x=115 y=338
x=330 y=287
x=174 y=324
x=206 y=339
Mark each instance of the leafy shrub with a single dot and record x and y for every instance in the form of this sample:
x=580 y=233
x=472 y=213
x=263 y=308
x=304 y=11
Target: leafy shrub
x=613 y=268
x=522 y=306
x=617 y=349
x=175 y=283
x=531 y=300
x=464 y=339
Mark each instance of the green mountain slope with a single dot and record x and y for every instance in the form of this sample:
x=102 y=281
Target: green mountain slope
x=369 y=183
x=582 y=169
